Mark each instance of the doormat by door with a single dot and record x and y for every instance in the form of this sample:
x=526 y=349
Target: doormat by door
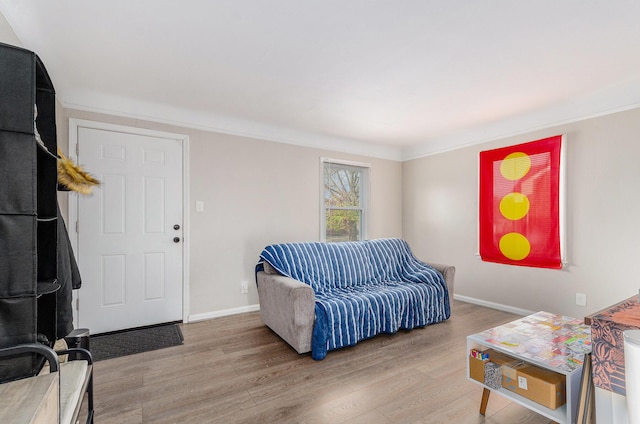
x=137 y=340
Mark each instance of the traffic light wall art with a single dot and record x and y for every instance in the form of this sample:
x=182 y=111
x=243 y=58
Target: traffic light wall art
x=519 y=202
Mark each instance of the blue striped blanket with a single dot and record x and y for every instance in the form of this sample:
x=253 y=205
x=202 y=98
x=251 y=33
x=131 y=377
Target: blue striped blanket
x=362 y=288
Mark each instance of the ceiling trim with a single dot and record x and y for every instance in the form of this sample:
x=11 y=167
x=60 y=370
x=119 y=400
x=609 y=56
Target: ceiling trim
x=210 y=122
x=546 y=119
x=207 y=121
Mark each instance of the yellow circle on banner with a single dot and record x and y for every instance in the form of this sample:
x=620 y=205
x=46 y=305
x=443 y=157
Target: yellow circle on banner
x=514 y=206
x=515 y=246
x=515 y=166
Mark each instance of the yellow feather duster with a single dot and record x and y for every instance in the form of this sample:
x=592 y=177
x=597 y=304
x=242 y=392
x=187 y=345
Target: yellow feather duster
x=74 y=177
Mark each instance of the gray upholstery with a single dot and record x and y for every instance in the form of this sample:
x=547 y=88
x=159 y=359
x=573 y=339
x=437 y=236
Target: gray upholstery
x=287 y=306
x=449 y=274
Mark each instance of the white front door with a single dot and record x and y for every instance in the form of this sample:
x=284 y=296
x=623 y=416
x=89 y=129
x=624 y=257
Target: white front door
x=130 y=230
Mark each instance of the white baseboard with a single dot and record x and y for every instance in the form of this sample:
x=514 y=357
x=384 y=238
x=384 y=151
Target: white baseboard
x=461 y=298
x=493 y=305
x=223 y=313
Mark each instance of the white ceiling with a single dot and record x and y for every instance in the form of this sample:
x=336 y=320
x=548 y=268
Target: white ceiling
x=395 y=79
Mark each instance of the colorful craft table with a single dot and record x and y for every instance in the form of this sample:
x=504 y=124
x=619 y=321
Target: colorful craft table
x=555 y=342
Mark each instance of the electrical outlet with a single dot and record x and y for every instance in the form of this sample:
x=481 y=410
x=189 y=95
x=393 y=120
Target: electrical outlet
x=581 y=299
x=244 y=287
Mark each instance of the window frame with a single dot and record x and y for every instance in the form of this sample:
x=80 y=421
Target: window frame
x=365 y=189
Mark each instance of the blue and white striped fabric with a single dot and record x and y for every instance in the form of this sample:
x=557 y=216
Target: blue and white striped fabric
x=362 y=288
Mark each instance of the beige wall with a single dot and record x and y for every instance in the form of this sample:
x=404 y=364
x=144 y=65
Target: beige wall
x=7 y=35
x=603 y=219
x=255 y=192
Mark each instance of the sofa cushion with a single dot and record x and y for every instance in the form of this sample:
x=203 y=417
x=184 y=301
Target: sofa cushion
x=364 y=311
x=323 y=266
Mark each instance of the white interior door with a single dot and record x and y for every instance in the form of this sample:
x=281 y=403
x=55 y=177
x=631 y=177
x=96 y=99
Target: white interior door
x=130 y=231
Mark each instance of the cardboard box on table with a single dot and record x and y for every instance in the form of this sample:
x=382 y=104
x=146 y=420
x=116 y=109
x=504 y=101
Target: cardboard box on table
x=537 y=384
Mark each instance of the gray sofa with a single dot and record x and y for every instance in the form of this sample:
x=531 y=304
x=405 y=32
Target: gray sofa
x=287 y=306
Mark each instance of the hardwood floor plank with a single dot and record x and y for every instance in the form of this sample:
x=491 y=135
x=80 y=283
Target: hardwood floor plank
x=464 y=411
x=372 y=417
x=516 y=414
x=236 y=370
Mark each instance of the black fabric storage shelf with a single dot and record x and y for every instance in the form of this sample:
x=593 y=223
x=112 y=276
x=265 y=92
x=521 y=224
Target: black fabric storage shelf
x=20 y=314
x=19 y=167
x=17 y=73
x=22 y=309
x=47 y=176
x=47 y=250
x=28 y=209
x=18 y=266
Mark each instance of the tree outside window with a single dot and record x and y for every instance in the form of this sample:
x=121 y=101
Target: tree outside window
x=344 y=199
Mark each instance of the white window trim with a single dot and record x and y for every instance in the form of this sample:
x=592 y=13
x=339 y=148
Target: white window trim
x=366 y=185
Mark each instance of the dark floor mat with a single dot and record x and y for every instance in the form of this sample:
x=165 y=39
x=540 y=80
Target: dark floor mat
x=129 y=342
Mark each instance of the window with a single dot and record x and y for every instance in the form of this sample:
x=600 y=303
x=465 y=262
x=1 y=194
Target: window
x=344 y=200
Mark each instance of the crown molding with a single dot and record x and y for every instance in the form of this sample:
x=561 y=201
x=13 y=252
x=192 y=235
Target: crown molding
x=208 y=121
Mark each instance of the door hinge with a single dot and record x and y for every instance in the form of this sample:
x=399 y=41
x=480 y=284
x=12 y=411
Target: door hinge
x=77 y=150
x=77 y=226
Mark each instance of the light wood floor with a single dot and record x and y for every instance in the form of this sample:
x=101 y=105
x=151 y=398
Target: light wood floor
x=236 y=370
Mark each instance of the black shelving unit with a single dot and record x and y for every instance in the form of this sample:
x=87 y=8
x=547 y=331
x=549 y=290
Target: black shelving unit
x=28 y=208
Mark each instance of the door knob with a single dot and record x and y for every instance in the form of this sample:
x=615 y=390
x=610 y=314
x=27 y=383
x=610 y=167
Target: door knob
x=176 y=227
x=176 y=239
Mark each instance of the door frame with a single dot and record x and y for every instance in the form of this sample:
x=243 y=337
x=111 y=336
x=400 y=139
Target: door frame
x=74 y=125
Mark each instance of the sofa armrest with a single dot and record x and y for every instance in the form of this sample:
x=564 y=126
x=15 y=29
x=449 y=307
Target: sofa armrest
x=449 y=274
x=287 y=306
